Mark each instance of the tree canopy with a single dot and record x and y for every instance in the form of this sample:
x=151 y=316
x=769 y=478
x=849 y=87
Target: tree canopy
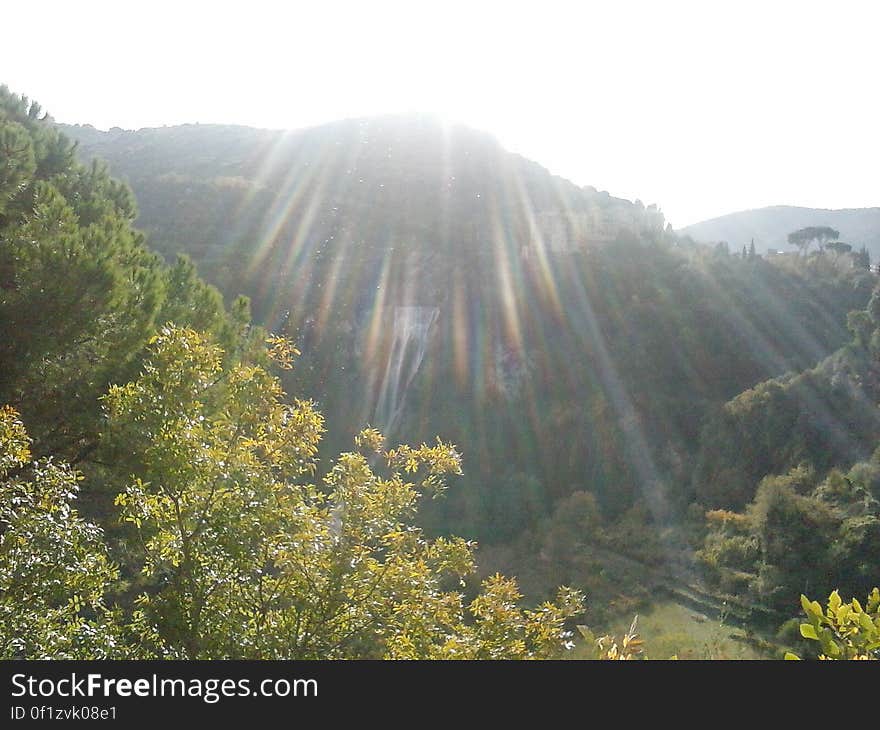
x=244 y=556
x=805 y=237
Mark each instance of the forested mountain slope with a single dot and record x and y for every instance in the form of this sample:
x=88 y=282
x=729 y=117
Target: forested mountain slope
x=797 y=463
x=272 y=211
x=439 y=284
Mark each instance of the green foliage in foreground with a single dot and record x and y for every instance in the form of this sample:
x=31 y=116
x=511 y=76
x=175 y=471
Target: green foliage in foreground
x=54 y=567
x=244 y=556
x=843 y=630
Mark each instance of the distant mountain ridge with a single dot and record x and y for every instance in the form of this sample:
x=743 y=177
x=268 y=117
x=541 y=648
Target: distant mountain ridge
x=770 y=226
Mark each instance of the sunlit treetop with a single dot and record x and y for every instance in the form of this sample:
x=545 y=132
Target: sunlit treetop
x=254 y=560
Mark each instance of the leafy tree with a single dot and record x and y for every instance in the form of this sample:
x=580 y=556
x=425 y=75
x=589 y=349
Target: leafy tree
x=54 y=567
x=788 y=526
x=249 y=560
x=760 y=552
x=839 y=248
x=245 y=559
x=861 y=326
x=804 y=237
x=843 y=630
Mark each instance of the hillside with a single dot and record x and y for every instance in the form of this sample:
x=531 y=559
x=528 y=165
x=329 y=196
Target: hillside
x=438 y=284
x=341 y=331
x=362 y=189
x=770 y=227
x=797 y=458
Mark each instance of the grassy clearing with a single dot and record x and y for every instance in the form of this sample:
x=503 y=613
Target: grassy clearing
x=670 y=629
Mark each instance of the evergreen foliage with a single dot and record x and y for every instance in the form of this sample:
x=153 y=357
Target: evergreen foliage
x=79 y=292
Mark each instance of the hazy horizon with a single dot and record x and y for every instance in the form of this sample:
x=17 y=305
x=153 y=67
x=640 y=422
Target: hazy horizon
x=700 y=111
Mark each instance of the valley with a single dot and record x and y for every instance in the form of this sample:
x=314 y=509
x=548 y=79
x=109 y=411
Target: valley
x=315 y=375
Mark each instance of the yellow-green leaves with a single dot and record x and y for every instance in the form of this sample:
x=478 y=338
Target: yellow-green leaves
x=427 y=464
x=808 y=631
x=14 y=441
x=370 y=439
x=281 y=351
x=250 y=560
x=843 y=630
x=624 y=648
x=54 y=568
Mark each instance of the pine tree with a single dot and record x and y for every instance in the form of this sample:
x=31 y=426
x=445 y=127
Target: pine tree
x=79 y=289
x=80 y=294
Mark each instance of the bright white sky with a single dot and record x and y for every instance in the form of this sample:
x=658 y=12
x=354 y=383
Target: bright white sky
x=701 y=107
